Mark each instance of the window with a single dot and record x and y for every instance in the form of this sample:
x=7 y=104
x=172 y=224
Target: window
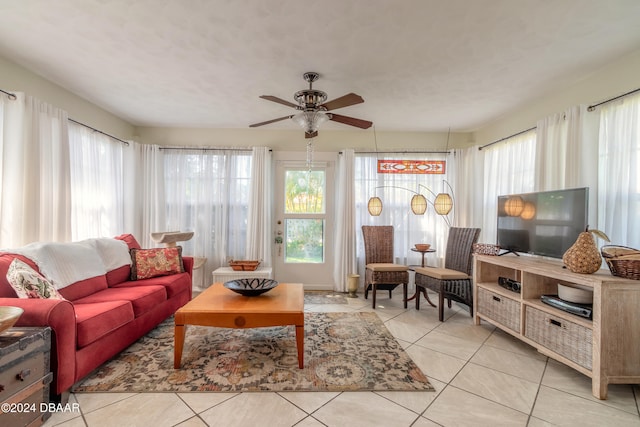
x=619 y=180
x=396 y=191
x=304 y=215
x=97 y=192
x=207 y=192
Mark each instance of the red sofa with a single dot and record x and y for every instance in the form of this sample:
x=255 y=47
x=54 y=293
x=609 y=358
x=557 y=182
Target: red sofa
x=101 y=315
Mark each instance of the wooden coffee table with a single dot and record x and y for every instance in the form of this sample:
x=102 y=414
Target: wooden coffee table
x=221 y=307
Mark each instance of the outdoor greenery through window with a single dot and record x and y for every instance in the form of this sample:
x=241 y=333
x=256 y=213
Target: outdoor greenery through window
x=304 y=216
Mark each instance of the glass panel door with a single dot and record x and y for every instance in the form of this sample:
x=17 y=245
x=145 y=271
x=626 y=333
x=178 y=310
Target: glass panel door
x=303 y=225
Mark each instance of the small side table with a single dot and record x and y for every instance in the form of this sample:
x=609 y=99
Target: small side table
x=428 y=251
x=226 y=274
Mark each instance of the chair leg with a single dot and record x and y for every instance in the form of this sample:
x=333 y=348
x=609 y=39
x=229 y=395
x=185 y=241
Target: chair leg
x=441 y=306
x=389 y=293
x=417 y=298
x=373 y=295
x=404 y=288
x=366 y=291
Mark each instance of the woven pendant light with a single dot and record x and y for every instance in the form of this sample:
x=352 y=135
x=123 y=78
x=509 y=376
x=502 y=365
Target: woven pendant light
x=374 y=206
x=418 y=204
x=443 y=204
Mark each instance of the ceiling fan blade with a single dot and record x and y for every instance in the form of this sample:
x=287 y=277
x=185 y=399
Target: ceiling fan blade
x=343 y=101
x=269 y=121
x=351 y=121
x=279 y=100
x=310 y=135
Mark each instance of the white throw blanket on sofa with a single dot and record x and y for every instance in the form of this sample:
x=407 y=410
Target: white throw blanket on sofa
x=67 y=263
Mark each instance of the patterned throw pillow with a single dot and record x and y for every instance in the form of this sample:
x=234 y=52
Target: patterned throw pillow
x=28 y=283
x=147 y=263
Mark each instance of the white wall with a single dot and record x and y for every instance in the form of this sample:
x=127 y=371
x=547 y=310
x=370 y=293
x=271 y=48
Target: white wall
x=618 y=77
x=293 y=140
x=14 y=77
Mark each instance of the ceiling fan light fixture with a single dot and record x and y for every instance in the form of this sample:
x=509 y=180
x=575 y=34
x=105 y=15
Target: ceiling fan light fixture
x=310 y=121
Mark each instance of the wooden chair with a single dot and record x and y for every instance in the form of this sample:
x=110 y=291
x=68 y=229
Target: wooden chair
x=381 y=272
x=454 y=281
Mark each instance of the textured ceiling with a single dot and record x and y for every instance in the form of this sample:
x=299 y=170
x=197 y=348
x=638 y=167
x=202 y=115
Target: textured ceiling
x=423 y=65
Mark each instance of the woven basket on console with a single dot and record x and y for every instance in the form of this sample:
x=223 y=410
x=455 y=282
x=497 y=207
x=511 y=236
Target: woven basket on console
x=622 y=261
x=486 y=249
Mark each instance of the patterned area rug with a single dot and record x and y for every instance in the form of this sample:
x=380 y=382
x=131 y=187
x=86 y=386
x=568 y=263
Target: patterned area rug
x=343 y=351
x=324 y=297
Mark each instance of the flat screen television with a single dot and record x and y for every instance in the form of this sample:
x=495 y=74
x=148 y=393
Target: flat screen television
x=544 y=223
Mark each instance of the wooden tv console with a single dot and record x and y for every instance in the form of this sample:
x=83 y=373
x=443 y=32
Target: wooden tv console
x=606 y=348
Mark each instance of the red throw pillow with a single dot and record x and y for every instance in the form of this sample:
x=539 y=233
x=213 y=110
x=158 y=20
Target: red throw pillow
x=147 y=263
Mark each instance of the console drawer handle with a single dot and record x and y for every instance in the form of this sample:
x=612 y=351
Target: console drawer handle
x=495 y=298
x=555 y=323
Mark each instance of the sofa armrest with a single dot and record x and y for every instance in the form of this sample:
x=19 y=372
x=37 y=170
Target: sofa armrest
x=60 y=316
x=187 y=261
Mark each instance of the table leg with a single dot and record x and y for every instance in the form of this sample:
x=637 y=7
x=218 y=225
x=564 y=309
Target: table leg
x=300 y=345
x=178 y=345
x=426 y=296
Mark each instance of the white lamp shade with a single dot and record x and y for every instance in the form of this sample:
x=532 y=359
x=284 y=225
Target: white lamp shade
x=443 y=204
x=374 y=206
x=418 y=204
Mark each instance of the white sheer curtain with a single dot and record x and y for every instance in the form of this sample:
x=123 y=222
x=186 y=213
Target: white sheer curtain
x=619 y=179
x=35 y=199
x=566 y=151
x=207 y=191
x=259 y=224
x=345 y=233
x=147 y=211
x=97 y=191
x=509 y=167
x=466 y=172
x=396 y=194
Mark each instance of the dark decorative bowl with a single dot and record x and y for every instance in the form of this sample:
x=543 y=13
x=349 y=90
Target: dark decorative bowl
x=251 y=287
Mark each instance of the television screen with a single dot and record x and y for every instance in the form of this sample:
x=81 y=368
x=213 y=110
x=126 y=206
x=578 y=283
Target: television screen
x=544 y=223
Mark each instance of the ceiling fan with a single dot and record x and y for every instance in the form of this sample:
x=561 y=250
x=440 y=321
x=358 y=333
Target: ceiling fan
x=313 y=110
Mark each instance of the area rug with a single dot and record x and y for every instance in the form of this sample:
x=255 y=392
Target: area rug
x=324 y=297
x=343 y=352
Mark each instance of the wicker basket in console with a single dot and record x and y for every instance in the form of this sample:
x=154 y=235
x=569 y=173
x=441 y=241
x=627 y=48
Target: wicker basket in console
x=566 y=338
x=499 y=308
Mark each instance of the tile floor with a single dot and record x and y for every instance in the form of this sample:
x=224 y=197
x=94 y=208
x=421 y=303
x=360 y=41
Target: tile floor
x=482 y=376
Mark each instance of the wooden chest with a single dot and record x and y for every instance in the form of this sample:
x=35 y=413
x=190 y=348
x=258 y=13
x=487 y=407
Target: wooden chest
x=24 y=376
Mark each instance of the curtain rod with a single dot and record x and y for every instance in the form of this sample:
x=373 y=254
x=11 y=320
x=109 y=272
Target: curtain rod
x=402 y=152
x=13 y=97
x=207 y=149
x=594 y=106
x=99 y=131
x=506 y=137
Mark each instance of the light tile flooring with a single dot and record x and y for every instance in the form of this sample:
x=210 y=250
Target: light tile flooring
x=482 y=376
